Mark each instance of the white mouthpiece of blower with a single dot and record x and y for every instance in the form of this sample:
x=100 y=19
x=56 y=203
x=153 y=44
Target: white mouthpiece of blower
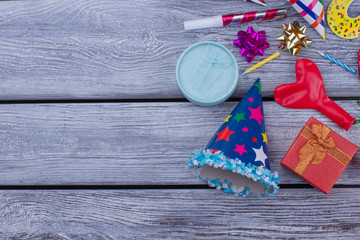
x=209 y=22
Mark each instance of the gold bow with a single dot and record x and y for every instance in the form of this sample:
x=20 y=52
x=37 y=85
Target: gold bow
x=316 y=148
x=293 y=38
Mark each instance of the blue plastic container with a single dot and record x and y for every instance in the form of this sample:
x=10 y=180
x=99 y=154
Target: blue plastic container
x=207 y=73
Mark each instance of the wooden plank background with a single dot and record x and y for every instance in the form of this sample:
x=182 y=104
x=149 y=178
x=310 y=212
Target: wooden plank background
x=106 y=143
x=95 y=135
x=178 y=214
x=109 y=49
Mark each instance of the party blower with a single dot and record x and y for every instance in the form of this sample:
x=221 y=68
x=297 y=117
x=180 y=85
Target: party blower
x=224 y=20
x=308 y=92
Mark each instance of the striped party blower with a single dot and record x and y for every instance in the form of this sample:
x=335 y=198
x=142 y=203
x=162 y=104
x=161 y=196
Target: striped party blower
x=224 y=20
x=313 y=12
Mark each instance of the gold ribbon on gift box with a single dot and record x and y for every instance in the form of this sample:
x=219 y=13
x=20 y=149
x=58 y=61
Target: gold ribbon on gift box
x=317 y=147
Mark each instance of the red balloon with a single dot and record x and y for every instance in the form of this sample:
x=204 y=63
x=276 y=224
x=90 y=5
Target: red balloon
x=308 y=92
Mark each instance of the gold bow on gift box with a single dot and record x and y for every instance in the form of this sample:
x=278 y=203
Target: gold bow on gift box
x=317 y=147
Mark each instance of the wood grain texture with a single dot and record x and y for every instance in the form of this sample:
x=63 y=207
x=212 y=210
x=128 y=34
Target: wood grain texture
x=179 y=214
x=109 y=49
x=134 y=143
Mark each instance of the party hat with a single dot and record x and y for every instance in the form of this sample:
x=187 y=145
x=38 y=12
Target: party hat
x=313 y=12
x=236 y=158
x=261 y=2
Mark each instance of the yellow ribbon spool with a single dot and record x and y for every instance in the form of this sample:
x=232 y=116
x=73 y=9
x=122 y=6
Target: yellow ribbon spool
x=340 y=23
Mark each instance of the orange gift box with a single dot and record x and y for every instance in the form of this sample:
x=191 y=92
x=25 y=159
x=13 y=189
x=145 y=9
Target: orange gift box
x=319 y=155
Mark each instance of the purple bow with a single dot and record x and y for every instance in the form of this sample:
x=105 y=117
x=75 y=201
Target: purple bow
x=251 y=43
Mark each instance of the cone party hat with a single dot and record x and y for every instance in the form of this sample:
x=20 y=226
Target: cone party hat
x=313 y=12
x=236 y=158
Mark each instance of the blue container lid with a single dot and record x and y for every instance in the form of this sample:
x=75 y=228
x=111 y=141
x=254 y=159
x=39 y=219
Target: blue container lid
x=207 y=73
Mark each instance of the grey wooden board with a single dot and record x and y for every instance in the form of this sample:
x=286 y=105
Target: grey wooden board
x=108 y=49
x=134 y=143
x=179 y=214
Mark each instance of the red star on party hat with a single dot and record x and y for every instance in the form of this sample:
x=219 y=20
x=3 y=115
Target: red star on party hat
x=240 y=164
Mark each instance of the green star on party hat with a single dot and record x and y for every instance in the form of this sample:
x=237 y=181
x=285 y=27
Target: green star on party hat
x=236 y=158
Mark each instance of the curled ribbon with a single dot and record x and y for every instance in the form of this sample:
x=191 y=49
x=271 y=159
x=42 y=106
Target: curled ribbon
x=316 y=148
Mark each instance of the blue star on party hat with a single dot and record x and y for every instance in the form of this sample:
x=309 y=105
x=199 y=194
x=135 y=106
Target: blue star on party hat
x=236 y=158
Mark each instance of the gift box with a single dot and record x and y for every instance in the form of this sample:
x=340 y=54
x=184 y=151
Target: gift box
x=319 y=155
